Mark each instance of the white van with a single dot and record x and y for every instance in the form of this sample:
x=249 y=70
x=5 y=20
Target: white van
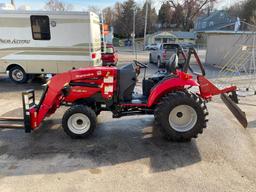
x=39 y=42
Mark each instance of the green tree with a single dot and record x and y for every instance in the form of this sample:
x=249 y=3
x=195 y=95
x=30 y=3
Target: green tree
x=124 y=22
x=121 y=18
x=152 y=17
x=165 y=15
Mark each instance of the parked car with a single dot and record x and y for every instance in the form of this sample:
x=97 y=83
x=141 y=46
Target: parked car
x=110 y=56
x=150 y=46
x=162 y=53
x=186 y=46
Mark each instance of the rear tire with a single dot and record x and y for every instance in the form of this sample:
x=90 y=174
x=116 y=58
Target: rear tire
x=18 y=75
x=150 y=58
x=79 y=121
x=159 y=64
x=181 y=116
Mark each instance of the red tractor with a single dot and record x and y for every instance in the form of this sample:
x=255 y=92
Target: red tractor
x=180 y=113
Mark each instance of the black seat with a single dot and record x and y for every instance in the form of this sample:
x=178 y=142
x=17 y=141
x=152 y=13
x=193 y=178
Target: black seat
x=127 y=82
x=171 y=67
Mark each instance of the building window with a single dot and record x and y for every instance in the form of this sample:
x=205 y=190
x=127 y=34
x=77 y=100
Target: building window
x=157 y=40
x=40 y=27
x=204 y=25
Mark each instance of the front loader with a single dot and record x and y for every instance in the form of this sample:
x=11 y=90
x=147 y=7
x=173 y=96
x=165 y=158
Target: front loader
x=180 y=113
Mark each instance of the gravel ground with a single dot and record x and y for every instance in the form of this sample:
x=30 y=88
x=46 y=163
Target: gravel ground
x=126 y=154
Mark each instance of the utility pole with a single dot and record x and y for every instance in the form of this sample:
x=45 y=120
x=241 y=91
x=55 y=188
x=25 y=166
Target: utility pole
x=133 y=33
x=146 y=23
x=13 y=3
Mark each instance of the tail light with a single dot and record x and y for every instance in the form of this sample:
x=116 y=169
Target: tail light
x=164 y=54
x=94 y=55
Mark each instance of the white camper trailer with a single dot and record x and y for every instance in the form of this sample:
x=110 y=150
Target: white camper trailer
x=37 y=42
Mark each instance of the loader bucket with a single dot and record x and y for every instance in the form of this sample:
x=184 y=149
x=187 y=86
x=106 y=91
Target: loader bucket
x=237 y=112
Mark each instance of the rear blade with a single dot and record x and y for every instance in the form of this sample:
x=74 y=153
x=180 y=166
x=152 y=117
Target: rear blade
x=237 y=112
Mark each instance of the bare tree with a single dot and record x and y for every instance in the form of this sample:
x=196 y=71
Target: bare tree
x=190 y=10
x=249 y=13
x=109 y=15
x=57 y=5
x=94 y=9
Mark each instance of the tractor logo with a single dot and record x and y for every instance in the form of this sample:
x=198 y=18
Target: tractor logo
x=99 y=73
x=85 y=75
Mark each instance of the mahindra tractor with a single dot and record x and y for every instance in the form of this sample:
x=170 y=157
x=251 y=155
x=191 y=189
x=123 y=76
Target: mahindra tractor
x=177 y=98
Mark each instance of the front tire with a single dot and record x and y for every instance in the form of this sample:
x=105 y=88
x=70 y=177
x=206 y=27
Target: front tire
x=79 y=121
x=181 y=116
x=18 y=75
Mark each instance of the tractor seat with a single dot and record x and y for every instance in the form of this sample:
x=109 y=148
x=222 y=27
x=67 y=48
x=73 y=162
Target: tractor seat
x=127 y=82
x=171 y=67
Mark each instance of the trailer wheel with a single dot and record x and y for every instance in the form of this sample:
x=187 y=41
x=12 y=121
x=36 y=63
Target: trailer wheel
x=18 y=75
x=79 y=121
x=181 y=116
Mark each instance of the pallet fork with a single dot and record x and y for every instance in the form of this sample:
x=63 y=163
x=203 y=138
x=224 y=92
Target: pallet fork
x=28 y=100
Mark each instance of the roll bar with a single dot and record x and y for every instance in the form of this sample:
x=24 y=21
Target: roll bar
x=187 y=66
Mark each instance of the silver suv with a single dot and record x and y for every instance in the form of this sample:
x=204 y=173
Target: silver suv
x=161 y=53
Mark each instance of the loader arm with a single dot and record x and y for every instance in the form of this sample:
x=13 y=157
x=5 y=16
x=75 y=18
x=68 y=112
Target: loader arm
x=88 y=80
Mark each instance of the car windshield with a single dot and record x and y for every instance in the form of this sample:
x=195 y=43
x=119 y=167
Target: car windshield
x=169 y=46
x=109 y=50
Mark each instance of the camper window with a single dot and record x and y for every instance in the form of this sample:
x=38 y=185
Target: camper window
x=40 y=27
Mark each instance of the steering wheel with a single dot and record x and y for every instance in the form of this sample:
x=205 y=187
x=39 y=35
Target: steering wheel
x=139 y=64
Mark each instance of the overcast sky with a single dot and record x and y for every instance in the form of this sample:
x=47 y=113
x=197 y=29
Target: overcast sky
x=81 y=5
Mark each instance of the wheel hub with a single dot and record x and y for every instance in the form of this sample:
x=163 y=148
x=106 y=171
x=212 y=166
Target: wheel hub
x=179 y=114
x=79 y=123
x=17 y=75
x=182 y=118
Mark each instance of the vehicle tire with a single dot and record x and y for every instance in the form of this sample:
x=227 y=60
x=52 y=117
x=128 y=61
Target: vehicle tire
x=18 y=75
x=159 y=64
x=181 y=116
x=79 y=121
x=150 y=58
